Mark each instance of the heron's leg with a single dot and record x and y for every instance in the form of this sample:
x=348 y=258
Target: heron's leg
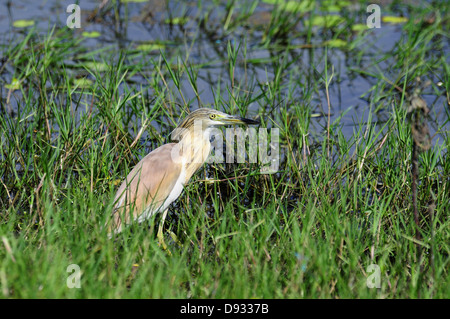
x=161 y=236
x=160 y=231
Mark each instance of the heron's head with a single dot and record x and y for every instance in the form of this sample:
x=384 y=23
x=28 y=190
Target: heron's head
x=207 y=118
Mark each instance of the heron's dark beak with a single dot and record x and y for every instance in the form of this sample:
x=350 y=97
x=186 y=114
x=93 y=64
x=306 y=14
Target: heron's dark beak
x=230 y=120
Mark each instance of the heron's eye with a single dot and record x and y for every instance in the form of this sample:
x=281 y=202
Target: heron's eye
x=213 y=116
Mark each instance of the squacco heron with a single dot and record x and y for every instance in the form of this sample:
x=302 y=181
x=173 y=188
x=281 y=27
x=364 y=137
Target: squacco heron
x=158 y=179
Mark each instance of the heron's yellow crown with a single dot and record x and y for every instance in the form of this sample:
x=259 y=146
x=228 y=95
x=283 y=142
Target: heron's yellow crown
x=208 y=118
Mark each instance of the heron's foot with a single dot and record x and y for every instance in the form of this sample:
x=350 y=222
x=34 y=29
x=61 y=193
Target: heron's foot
x=174 y=238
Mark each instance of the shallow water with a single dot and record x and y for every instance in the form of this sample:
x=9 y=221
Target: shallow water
x=207 y=48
